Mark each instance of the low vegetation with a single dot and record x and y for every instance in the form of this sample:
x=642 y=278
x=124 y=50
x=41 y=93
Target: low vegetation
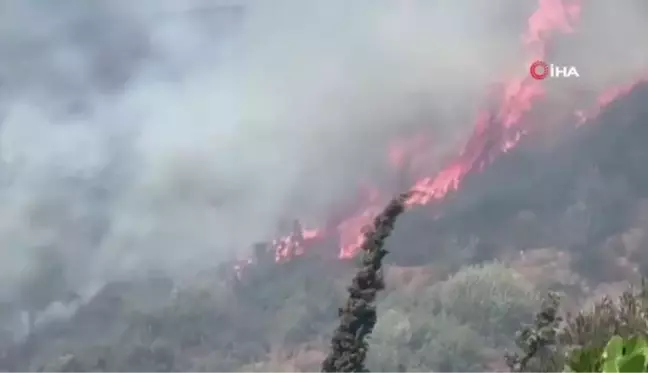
x=608 y=337
x=462 y=323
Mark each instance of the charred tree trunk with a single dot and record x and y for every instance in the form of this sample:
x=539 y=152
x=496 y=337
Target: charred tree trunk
x=358 y=316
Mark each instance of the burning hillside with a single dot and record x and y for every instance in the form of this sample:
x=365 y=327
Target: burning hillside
x=518 y=109
x=517 y=180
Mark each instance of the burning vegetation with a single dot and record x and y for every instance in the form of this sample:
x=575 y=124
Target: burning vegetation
x=498 y=129
x=456 y=309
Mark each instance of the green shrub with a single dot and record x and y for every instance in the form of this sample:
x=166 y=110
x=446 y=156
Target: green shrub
x=594 y=327
x=493 y=299
x=455 y=325
x=586 y=339
x=619 y=355
x=426 y=343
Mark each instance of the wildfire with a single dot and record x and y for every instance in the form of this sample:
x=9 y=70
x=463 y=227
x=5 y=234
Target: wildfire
x=496 y=134
x=497 y=130
x=294 y=243
x=607 y=97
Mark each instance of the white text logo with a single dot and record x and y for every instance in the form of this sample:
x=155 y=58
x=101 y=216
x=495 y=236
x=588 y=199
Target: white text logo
x=540 y=70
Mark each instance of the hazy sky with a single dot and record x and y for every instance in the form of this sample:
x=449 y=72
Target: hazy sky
x=153 y=135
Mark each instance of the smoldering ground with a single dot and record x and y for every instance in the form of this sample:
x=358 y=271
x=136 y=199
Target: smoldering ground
x=153 y=136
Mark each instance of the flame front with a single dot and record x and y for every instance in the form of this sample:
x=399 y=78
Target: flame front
x=497 y=129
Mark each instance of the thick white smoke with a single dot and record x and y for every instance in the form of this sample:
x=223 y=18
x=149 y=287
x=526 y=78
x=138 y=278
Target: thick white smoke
x=155 y=135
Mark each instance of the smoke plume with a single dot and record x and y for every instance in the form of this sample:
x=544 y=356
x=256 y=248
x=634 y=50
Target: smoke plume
x=150 y=136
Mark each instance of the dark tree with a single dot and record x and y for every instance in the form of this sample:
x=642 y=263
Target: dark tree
x=358 y=316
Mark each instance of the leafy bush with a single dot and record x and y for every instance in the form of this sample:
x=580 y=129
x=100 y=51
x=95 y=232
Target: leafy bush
x=620 y=355
x=538 y=342
x=493 y=299
x=584 y=339
x=455 y=325
x=594 y=327
x=426 y=343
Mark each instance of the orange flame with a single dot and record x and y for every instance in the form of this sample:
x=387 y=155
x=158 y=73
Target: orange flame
x=495 y=132
x=499 y=133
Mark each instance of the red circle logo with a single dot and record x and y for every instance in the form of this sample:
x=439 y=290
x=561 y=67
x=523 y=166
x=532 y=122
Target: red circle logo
x=539 y=70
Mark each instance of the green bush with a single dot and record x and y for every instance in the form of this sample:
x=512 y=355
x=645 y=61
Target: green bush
x=588 y=340
x=454 y=325
x=419 y=343
x=619 y=355
x=493 y=299
x=594 y=327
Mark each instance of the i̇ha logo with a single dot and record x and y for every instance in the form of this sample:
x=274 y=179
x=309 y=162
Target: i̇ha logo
x=540 y=70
